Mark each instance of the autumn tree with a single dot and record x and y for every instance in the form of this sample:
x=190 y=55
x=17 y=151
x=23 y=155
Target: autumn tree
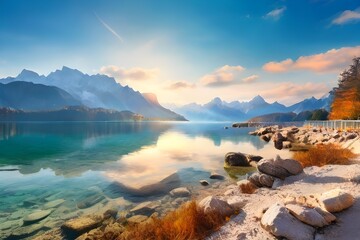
x=346 y=104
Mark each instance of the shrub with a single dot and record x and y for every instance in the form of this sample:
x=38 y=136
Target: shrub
x=248 y=188
x=187 y=222
x=321 y=155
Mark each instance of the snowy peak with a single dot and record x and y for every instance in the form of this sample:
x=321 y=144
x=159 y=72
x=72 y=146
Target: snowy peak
x=99 y=91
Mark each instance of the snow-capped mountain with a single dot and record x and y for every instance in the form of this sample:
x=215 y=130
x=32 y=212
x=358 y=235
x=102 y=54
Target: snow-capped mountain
x=98 y=91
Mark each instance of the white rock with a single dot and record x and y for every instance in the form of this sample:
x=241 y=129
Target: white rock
x=236 y=202
x=336 y=200
x=214 y=204
x=329 y=217
x=279 y=222
x=292 y=166
x=307 y=215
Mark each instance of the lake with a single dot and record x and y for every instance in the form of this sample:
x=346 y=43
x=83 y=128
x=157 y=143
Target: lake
x=88 y=167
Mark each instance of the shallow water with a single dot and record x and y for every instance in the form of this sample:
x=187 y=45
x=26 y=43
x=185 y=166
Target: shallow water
x=97 y=165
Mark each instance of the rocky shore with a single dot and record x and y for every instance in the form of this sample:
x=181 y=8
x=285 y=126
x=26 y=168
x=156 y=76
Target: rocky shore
x=300 y=138
x=292 y=202
x=288 y=201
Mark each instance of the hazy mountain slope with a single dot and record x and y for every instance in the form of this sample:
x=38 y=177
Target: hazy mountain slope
x=35 y=97
x=320 y=114
x=212 y=111
x=218 y=110
x=98 y=91
x=78 y=113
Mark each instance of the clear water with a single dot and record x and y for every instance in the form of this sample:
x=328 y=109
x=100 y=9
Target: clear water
x=42 y=162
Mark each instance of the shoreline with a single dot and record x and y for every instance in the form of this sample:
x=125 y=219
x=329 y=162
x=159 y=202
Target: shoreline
x=251 y=205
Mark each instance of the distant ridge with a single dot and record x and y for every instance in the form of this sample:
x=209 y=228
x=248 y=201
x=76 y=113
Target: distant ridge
x=34 y=97
x=97 y=91
x=219 y=110
x=74 y=113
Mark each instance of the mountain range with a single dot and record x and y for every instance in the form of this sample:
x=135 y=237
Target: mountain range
x=70 y=87
x=219 y=110
x=30 y=91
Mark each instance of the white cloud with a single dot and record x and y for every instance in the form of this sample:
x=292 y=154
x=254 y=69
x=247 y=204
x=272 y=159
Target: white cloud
x=288 y=91
x=332 y=61
x=135 y=73
x=224 y=76
x=250 y=79
x=180 y=85
x=346 y=17
x=276 y=13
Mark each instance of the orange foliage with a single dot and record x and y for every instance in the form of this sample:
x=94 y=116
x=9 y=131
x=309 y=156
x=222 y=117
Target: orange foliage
x=188 y=222
x=248 y=188
x=346 y=105
x=321 y=155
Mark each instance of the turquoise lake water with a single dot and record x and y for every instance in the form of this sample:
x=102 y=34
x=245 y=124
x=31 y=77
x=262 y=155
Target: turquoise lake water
x=92 y=166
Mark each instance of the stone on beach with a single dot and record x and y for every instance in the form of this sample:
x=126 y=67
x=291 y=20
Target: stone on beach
x=307 y=215
x=336 y=200
x=278 y=221
x=267 y=166
x=261 y=180
x=329 y=217
x=236 y=202
x=292 y=166
x=214 y=204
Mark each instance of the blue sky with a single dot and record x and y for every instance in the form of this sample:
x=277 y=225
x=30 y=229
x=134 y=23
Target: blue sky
x=187 y=51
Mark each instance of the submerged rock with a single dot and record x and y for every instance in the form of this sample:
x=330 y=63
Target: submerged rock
x=36 y=216
x=217 y=176
x=90 y=201
x=204 y=182
x=278 y=221
x=162 y=187
x=137 y=218
x=180 y=192
x=236 y=159
x=53 y=204
x=78 y=226
x=145 y=208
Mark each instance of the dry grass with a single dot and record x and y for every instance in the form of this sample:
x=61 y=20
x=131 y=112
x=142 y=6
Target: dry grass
x=248 y=188
x=187 y=222
x=321 y=155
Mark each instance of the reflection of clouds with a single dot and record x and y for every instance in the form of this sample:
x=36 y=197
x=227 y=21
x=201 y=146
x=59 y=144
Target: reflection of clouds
x=174 y=151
